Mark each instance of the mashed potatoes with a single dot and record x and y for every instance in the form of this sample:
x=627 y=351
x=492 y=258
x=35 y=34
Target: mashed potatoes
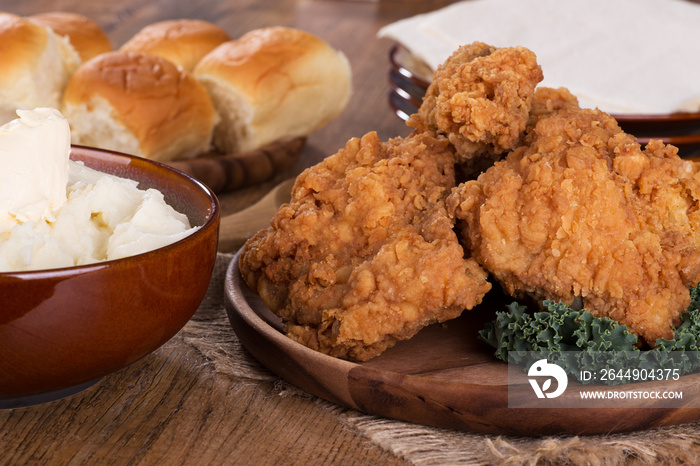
x=95 y=217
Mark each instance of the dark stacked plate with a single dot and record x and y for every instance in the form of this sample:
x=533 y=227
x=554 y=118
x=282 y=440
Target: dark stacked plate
x=409 y=79
x=407 y=86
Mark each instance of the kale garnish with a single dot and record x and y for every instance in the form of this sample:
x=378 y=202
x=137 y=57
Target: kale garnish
x=575 y=339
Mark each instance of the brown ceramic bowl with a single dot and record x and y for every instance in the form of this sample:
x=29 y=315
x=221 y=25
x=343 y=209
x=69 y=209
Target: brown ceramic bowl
x=63 y=329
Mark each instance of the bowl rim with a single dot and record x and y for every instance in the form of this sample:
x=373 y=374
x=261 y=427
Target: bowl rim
x=212 y=217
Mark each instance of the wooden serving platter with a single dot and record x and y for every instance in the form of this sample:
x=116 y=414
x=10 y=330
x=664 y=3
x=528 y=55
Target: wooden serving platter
x=444 y=377
x=226 y=172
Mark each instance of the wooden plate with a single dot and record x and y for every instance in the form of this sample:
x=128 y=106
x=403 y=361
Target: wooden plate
x=226 y=172
x=443 y=377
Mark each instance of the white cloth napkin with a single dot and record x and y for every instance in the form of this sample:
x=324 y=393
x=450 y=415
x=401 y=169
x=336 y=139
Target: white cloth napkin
x=623 y=56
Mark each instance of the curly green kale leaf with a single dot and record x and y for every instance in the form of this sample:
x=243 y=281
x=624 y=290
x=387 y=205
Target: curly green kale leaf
x=683 y=350
x=560 y=328
x=578 y=339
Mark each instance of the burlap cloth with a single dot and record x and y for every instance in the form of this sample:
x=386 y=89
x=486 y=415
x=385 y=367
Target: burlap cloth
x=210 y=333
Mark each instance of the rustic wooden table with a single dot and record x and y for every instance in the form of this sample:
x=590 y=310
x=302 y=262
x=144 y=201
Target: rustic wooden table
x=174 y=406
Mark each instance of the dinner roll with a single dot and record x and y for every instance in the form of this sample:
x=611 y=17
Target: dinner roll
x=35 y=65
x=273 y=84
x=84 y=34
x=139 y=104
x=182 y=41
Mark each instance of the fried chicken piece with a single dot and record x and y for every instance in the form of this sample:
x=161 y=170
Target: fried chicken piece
x=480 y=99
x=547 y=100
x=365 y=254
x=581 y=212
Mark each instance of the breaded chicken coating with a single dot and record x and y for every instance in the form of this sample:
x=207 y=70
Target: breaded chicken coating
x=480 y=100
x=547 y=100
x=581 y=213
x=365 y=254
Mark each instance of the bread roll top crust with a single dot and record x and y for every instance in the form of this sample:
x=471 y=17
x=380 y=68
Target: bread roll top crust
x=21 y=42
x=153 y=98
x=84 y=34
x=182 y=41
x=272 y=84
x=263 y=59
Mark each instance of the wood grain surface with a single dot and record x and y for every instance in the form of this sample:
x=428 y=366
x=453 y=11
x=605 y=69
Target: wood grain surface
x=237 y=228
x=173 y=408
x=445 y=376
x=226 y=172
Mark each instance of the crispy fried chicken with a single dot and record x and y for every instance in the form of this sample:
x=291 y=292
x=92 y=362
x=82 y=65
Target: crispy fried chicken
x=365 y=254
x=580 y=210
x=568 y=207
x=480 y=100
